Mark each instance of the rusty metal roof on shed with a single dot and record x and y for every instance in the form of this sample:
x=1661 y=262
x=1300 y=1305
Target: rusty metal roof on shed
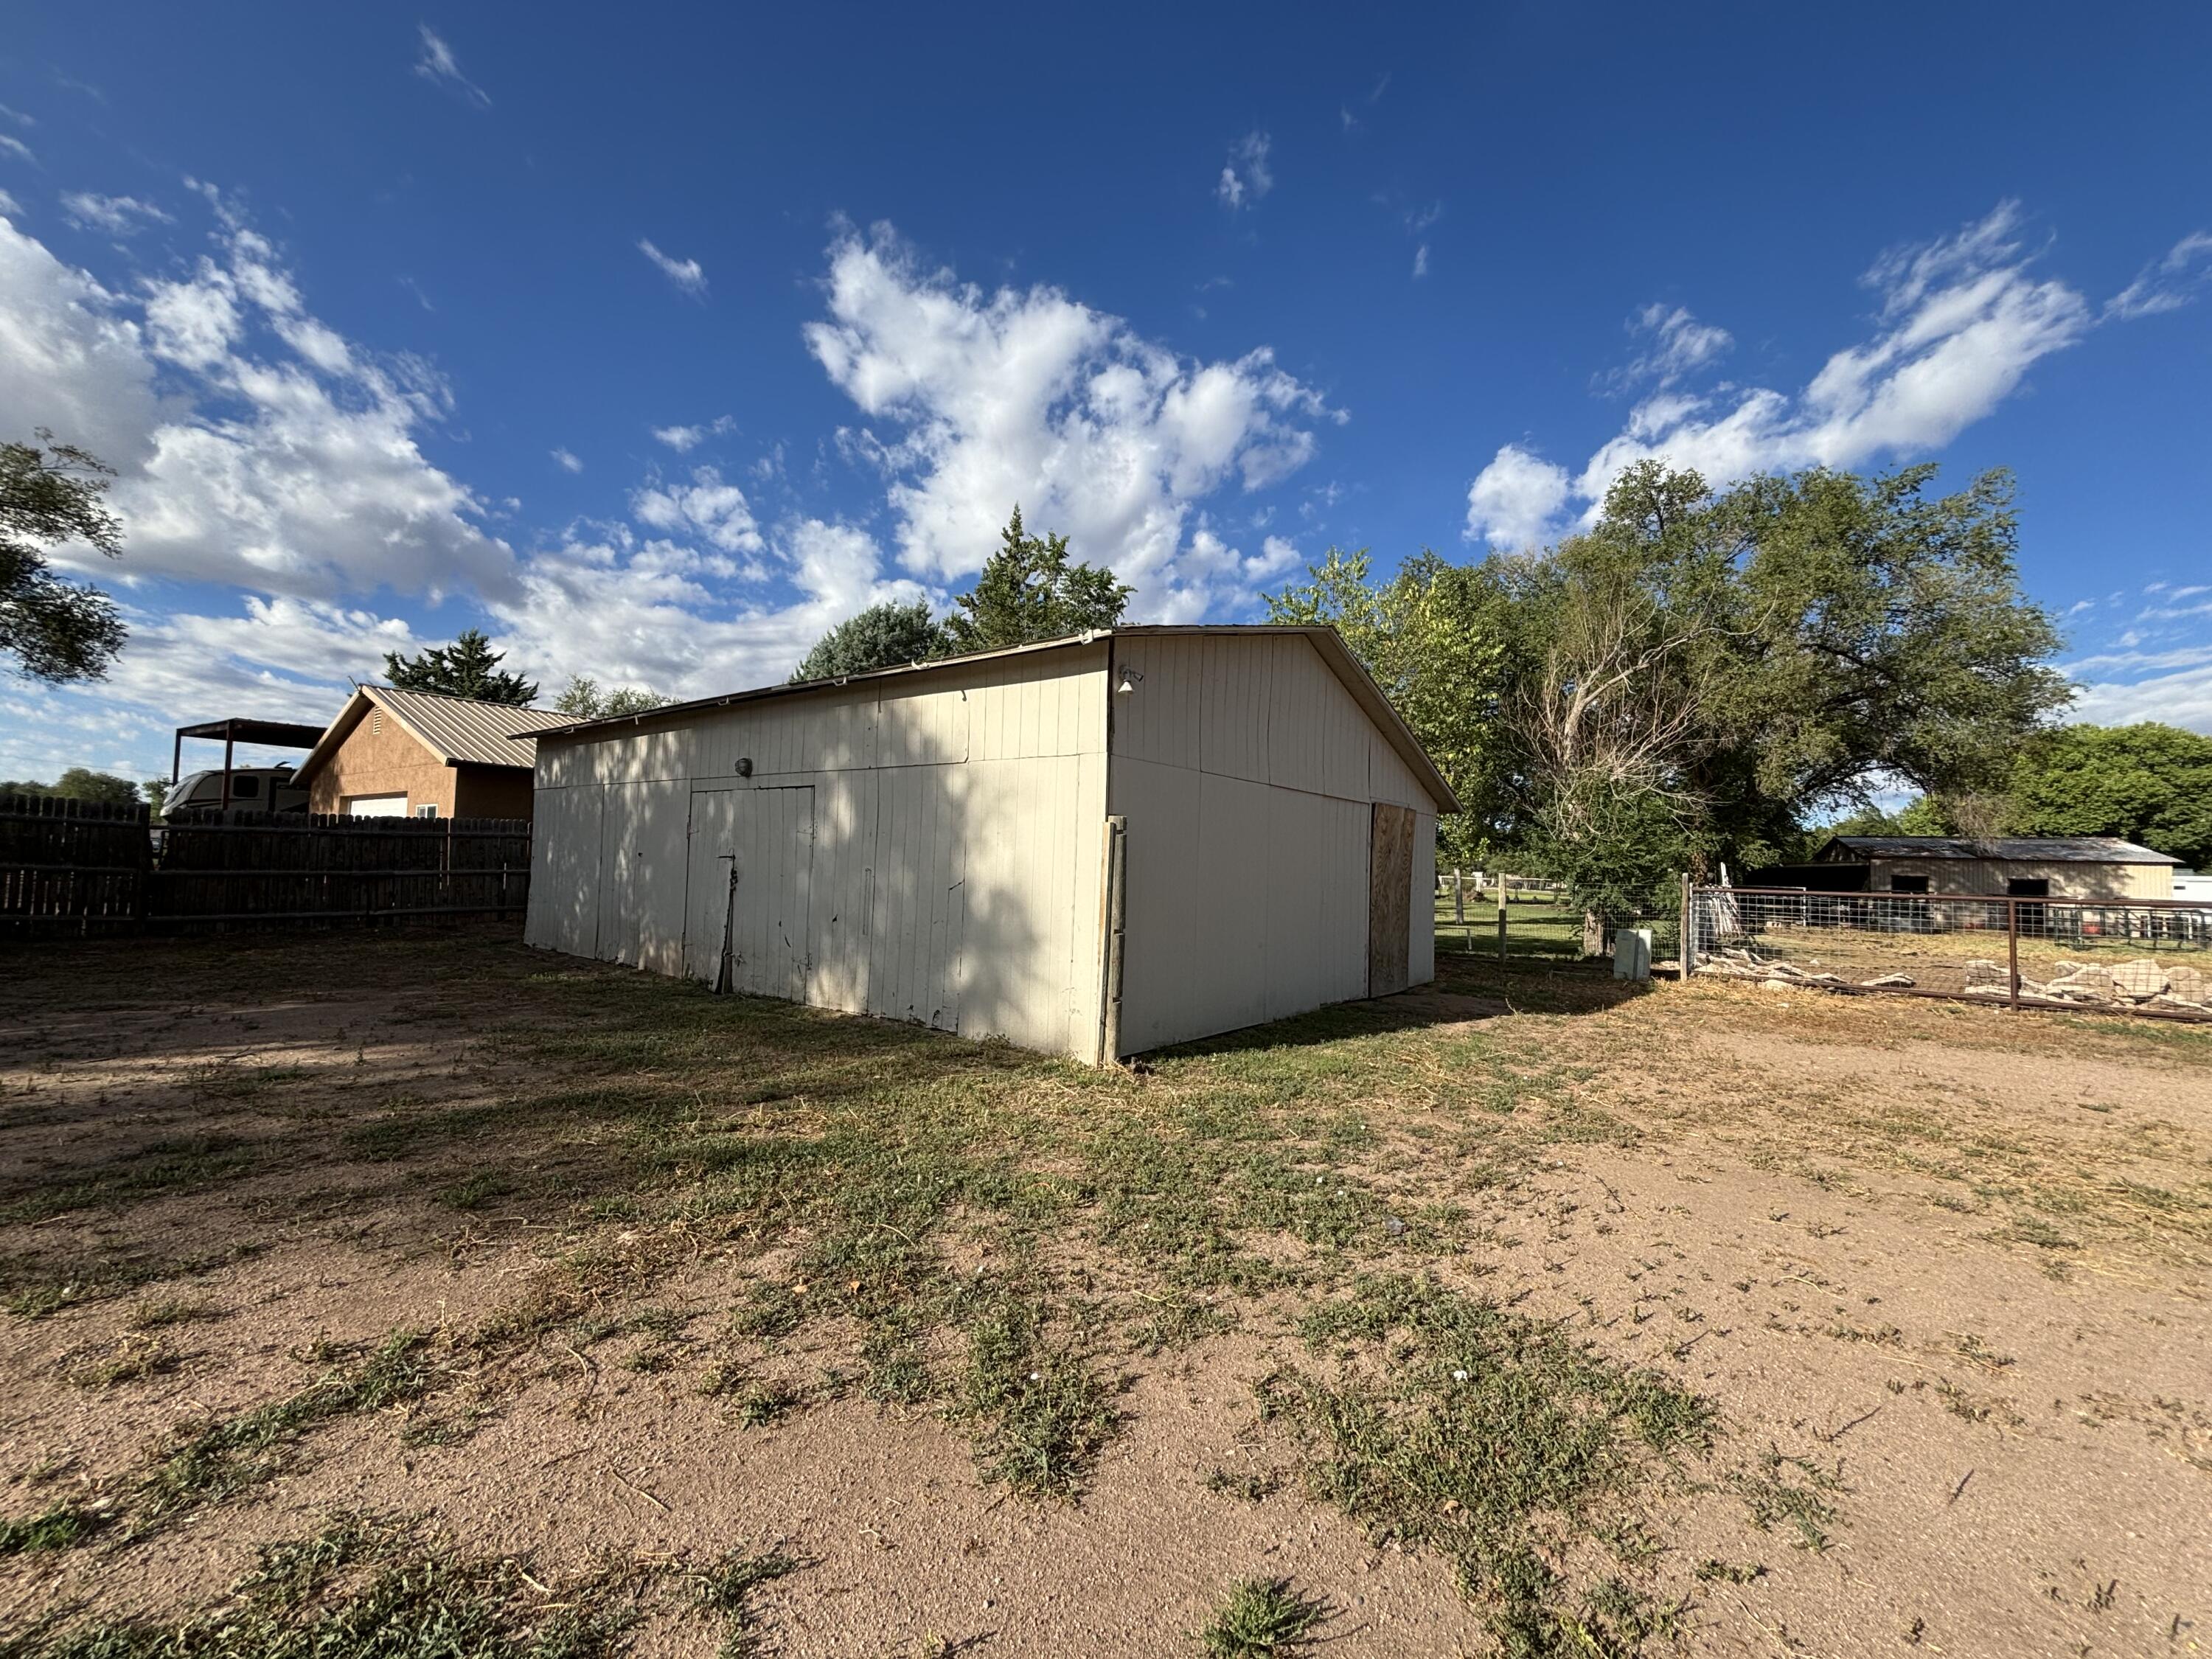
x=1348 y=668
x=2025 y=849
x=458 y=730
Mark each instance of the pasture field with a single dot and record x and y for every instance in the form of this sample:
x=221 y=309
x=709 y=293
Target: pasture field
x=417 y=1293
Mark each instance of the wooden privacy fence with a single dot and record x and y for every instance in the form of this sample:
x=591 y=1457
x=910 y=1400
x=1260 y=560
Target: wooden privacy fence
x=78 y=867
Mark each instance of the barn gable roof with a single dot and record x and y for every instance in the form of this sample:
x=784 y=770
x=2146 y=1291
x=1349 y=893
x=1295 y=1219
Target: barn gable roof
x=2037 y=849
x=1348 y=668
x=458 y=730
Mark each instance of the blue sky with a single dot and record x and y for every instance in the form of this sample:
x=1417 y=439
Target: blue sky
x=655 y=342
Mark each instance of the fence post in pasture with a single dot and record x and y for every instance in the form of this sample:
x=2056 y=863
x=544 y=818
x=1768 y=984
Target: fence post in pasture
x=1593 y=933
x=2011 y=949
x=1687 y=955
x=1459 y=896
x=1501 y=916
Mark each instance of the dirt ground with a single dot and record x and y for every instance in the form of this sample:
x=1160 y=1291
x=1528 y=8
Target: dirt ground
x=1523 y=1313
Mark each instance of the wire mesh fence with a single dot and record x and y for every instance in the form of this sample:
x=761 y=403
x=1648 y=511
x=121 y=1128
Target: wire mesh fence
x=2148 y=956
x=1523 y=919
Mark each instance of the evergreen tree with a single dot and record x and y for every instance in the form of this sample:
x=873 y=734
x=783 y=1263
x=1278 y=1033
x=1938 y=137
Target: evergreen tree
x=55 y=631
x=1029 y=589
x=884 y=635
x=469 y=667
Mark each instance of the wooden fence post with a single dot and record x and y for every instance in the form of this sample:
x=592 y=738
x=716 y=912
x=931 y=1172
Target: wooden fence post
x=1501 y=916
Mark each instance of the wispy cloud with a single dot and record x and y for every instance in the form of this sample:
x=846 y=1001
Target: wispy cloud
x=1420 y=261
x=1675 y=342
x=567 y=461
x=1246 y=176
x=687 y=274
x=118 y=216
x=1962 y=320
x=16 y=148
x=2165 y=284
x=440 y=67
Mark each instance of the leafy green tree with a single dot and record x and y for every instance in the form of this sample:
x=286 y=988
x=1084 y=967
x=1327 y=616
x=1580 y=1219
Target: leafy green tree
x=2148 y=783
x=1029 y=589
x=469 y=667
x=583 y=699
x=79 y=783
x=1438 y=639
x=55 y=631
x=884 y=635
x=1698 y=676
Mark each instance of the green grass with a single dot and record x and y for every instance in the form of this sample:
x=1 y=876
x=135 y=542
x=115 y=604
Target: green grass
x=60 y=1527
x=369 y=1587
x=237 y=1454
x=1261 y=1619
x=1446 y=1421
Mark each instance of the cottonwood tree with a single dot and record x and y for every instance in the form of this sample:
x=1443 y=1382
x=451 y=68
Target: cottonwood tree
x=1437 y=638
x=583 y=699
x=1700 y=674
x=2148 y=783
x=469 y=667
x=79 y=783
x=50 y=493
x=884 y=635
x=1029 y=589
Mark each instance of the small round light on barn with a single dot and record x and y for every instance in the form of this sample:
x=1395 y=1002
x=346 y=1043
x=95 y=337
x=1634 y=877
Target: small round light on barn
x=1128 y=683
x=745 y=766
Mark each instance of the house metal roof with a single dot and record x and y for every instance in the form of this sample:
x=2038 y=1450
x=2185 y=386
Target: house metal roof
x=458 y=730
x=1347 y=667
x=2037 y=849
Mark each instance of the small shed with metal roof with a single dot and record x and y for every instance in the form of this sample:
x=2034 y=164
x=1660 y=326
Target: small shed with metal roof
x=417 y=753
x=1091 y=845
x=2090 y=867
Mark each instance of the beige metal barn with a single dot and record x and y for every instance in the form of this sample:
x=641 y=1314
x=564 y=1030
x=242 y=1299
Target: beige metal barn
x=1093 y=845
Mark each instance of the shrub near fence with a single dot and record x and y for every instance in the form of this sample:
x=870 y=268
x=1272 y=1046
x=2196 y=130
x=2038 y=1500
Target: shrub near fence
x=72 y=867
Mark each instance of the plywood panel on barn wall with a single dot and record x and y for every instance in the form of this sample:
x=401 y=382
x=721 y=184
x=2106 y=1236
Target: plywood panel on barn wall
x=643 y=860
x=564 y=870
x=1389 y=922
x=1421 y=944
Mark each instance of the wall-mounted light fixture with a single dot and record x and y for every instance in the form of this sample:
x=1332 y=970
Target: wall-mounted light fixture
x=745 y=766
x=1128 y=681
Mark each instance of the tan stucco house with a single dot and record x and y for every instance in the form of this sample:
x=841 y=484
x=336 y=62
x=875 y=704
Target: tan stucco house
x=414 y=754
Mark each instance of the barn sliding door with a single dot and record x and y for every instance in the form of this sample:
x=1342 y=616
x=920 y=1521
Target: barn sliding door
x=1389 y=899
x=746 y=911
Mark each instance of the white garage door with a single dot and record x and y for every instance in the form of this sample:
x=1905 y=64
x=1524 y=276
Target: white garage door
x=377 y=806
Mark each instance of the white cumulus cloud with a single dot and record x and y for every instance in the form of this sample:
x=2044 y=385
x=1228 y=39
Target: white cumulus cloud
x=1030 y=397
x=1962 y=321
